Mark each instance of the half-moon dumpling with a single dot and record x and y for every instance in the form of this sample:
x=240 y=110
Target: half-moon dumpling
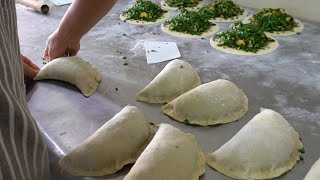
x=73 y=70
x=171 y=155
x=118 y=142
x=265 y=148
x=216 y=102
x=314 y=173
x=175 y=79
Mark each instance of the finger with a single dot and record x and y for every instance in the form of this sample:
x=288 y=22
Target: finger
x=30 y=63
x=28 y=71
x=46 y=55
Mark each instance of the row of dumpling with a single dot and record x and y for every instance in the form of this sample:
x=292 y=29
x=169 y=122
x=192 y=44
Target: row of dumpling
x=274 y=145
x=221 y=101
x=264 y=148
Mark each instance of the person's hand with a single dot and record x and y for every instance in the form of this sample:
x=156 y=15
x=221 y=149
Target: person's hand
x=58 y=45
x=29 y=69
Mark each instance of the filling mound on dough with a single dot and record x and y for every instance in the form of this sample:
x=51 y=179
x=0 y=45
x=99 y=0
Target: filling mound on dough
x=182 y=3
x=144 y=11
x=271 y=20
x=246 y=37
x=224 y=9
x=189 y=22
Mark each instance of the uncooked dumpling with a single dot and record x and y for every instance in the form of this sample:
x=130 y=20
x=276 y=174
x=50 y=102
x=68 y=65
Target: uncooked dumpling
x=171 y=155
x=175 y=79
x=118 y=142
x=265 y=148
x=314 y=173
x=73 y=70
x=216 y=102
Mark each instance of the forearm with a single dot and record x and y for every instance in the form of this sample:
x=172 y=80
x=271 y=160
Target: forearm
x=82 y=16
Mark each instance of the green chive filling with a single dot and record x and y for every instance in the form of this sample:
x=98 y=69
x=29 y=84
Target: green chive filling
x=246 y=37
x=144 y=11
x=274 y=20
x=182 y=3
x=189 y=22
x=221 y=9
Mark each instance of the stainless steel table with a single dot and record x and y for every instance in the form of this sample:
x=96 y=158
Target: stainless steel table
x=287 y=81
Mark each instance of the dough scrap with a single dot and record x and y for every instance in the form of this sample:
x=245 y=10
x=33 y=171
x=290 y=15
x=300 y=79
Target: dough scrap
x=171 y=155
x=175 y=79
x=164 y=17
x=165 y=6
x=314 y=173
x=73 y=70
x=295 y=31
x=217 y=102
x=270 y=48
x=266 y=147
x=210 y=32
x=118 y=142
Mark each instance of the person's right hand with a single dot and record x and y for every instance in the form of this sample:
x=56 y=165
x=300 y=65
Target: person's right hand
x=59 y=45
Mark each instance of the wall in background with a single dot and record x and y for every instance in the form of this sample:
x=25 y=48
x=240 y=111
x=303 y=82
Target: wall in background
x=304 y=9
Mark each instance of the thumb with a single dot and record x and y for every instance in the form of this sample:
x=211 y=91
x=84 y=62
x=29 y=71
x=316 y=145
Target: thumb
x=28 y=71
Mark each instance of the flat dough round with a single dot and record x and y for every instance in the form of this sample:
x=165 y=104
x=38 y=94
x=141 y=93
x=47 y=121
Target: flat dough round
x=314 y=173
x=270 y=48
x=217 y=102
x=210 y=32
x=266 y=147
x=118 y=142
x=175 y=79
x=234 y=19
x=163 y=18
x=164 y=5
x=171 y=155
x=296 y=30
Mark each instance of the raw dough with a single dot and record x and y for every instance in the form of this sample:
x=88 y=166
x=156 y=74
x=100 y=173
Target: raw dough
x=171 y=155
x=164 y=5
x=234 y=19
x=73 y=70
x=266 y=147
x=270 y=48
x=118 y=142
x=164 y=17
x=216 y=102
x=296 y=30
x=175 y=79
x=314 y=173
x=211 y=31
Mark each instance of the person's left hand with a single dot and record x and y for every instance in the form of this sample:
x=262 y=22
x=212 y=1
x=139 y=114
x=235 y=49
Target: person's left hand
x=29 y=69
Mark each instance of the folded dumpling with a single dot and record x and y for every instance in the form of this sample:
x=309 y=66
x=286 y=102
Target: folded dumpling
x=217 y=102
x=314 y=173
x=266 y=147
x=73 y=70
x=171 y=155
x=118 y=142
x=175 y=79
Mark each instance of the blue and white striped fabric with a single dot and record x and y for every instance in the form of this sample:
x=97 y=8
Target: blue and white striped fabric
x=23 y=153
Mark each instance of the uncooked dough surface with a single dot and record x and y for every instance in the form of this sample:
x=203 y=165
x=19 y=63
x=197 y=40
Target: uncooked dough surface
x=314 y=173
x=217 y=102
x=171 y=155
x=266 y=147
x=164 y=17
x=73 y=70
x=296 y=30
x=118 y=142
x=270 y=48
x=175 y=79
x=164 y=5
x=211 y=31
